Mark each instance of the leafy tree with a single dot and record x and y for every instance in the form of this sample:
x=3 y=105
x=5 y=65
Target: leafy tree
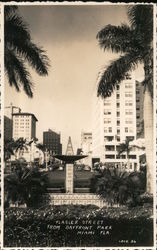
x=19 y=50
x=134 y=43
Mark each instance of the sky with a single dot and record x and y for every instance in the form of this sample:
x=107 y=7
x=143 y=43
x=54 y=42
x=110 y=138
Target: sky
x=63 y=100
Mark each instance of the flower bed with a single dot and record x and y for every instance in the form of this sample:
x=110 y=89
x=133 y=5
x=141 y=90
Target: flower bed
x=74 y=226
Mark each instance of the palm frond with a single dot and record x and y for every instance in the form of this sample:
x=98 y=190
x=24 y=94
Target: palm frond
x=10 y=9
x=17 y=73
x=11 y=73
x=119 y=39
x=15 y=29
x=141 y=19
x=35 y=56
x=17 y=37
x=19 y=49
x=122 y=148
x=116 y=72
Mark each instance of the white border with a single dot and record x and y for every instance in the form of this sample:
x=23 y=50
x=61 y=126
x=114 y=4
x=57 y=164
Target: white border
x=2 y=4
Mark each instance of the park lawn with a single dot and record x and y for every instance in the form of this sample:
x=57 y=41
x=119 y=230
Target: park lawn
x=57 y=178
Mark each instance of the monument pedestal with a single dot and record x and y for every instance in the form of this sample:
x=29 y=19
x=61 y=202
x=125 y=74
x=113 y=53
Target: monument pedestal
x=69 y=184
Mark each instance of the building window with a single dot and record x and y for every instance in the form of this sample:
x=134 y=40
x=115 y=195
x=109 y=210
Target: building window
x=117 y=95
x=118 y=87
x=123 y=156
x=129 y=121
x=132 y=156
x=107 y=120
x=105 y=130
x=126 y=130
x=118 y=123
x=118 y=131
x=118 y=105
x=118 y=138
x=107 y=112
x=128 y=86
x=128 y=112
x=128 y=94
x=109 y=148
x=108 y=138
x=110 y=156
x=128 y=103
x=107 y=102
x=109 y=129
x=118 y=114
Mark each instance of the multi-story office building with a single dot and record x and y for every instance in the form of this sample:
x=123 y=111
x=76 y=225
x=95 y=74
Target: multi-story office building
x=8 y=128
x=52 y=141
x=114 y=121
x=24 y=125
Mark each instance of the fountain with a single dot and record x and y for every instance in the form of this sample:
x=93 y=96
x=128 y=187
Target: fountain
x=70 y=197
x=69 y=158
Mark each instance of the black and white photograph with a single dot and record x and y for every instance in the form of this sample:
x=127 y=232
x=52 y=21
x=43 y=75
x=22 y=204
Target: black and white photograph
x=78 y=161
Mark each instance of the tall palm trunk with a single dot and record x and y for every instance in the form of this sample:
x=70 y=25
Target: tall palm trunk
x=148 y=131
x=148 y=120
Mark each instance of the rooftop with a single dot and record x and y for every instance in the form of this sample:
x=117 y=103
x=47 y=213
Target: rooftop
x=29 y=114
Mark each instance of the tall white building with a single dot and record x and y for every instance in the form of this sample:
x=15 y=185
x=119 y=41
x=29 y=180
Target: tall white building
x=86 y=146
x=24 y=125
x=114 y=120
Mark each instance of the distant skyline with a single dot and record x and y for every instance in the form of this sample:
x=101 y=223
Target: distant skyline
x=63 y=100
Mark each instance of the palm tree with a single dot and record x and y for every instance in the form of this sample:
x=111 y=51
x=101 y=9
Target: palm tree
x=25 y=186
x=125 y=148
x=118 y=187
x=9 y=146
x=134 y=42
x=19 y=146
x=20 y=49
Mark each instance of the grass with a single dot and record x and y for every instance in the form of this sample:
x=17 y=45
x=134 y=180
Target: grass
x=81 y=178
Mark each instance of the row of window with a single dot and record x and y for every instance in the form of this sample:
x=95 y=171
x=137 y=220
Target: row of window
x=127 y=121
x=127 y=130
x=127 y=103
x=127 y=94
x=21 y=119
x=119 y=157
x=17 y=127
x=127 y=112
x=112 y=148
